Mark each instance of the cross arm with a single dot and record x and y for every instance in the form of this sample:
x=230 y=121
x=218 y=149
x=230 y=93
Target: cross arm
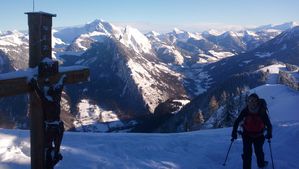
x=16 y=83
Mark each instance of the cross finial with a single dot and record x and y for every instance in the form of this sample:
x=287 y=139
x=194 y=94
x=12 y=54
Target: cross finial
x=33 y=5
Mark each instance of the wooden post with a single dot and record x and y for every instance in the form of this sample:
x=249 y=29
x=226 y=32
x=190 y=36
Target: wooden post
x=14 y=83
x=40 y=34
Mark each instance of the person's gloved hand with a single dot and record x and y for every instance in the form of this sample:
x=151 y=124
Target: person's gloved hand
x=57 y=157
x=268 y=136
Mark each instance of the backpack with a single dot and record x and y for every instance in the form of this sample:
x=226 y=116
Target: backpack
x=253 y=123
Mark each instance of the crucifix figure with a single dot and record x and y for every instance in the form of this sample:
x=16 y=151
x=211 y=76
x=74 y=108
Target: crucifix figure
x=44 y=80
x=50 y=96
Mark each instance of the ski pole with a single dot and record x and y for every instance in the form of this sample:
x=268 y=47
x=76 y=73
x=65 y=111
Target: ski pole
x=270 y=147
x=232 y=140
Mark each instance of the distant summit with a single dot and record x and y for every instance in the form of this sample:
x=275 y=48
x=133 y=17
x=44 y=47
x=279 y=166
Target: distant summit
x=281 y=27
x=68 y=34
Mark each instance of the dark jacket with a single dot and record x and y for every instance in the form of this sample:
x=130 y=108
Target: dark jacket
x=261 y=113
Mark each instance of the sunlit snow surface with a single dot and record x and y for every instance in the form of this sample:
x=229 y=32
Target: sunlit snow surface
x=13 y=38
x=91 y=117
x=204 y=149
x=195 y=150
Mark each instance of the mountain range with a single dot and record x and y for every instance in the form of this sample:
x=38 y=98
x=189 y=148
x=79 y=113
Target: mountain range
x=139 y=78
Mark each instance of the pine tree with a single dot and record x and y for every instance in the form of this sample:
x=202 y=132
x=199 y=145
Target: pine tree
x=198 y=118
x=229 y=111
x=213 y=105
x=223 y=97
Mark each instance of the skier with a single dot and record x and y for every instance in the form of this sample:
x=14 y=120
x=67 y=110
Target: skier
x=254 y=120
x=50 y=95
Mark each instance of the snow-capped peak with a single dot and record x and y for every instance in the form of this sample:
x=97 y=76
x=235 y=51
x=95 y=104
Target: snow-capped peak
x=263 y=27
x=95 y=22
x=250 y=33
x=184 y=35
x=133 y=38
x=152 y=34
x=99 y=29
x=280 y=27
x=13 y=32
x=12 y=38
x=55 y=40
x=228 y=33
x=285 y=26
x=177 y=31
x=100 y=26
x=69 y=34
x=212 y=32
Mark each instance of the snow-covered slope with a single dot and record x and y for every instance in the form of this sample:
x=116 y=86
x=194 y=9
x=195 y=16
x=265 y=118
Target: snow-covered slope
x=129 y=75
x=273 y=71
x=134 y=39
x=148 y=77
x=281 y=100
x=126 y=53
x=12 y=38
x=195 y=150
x=91 y=117
x=277 y=95
x=14 y=44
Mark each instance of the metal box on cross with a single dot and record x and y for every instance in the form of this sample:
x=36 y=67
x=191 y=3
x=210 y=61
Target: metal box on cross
x=40 y=42
x=40 y=36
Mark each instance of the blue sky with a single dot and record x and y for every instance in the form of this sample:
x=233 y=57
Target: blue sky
x=159 y=15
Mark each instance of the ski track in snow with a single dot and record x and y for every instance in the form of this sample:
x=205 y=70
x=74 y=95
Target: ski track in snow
x=204 y=149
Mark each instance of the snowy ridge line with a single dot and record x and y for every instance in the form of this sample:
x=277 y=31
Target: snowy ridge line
x=98 y=31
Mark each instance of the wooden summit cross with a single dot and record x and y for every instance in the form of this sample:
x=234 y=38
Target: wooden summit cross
x=14 y=83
